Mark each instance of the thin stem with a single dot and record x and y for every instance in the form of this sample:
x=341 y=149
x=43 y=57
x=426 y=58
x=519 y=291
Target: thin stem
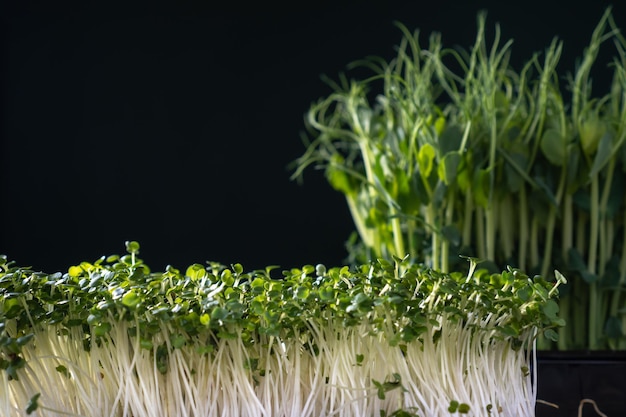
x=534 y=242
x=618 y=294
x=550 y=226
x=366 y=233
x=490 y=231
x=594 y=319
x=523 y=229
x=398 y=238
x=445 y=247
x=468 y=217
x=567 y=242
x=431 y=220
x=604 y=234
x=505 y=232
x=480 y=233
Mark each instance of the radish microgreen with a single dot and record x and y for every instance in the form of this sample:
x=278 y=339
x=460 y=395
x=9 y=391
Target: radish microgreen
x=382 y=338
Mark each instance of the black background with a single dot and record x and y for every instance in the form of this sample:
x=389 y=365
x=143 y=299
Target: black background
x=173 y=123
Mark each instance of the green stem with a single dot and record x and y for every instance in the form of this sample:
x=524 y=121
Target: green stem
x=491 y=217
x=366 y=233
x=564 y=341
x=468 y=220
x=368 y=159
x=550 y=225
x=617 y=294
x=398 y=239
x=567 y=225
x=490 y=212
x=605 y=235
x=567 y=242
x=506 y=216
x=411 y=241
x=445 y=244
x=523 y=229
x=594 y=319
x=431 y=221
x=534 y=242
x=581 y=233
x=549 y=237
x=480 y=233
x=581 y=331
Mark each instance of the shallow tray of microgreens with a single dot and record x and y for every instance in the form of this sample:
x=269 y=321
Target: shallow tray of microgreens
x=112 y=338
x=446 y=152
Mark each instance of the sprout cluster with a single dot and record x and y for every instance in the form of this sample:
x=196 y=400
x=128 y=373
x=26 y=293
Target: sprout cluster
x=444 y=152
x=112 y=338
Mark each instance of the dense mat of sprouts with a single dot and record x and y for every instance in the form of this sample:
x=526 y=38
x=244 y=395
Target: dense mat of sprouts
x=112 y=338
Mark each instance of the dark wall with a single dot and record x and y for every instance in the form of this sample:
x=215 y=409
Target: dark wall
x=173 y=124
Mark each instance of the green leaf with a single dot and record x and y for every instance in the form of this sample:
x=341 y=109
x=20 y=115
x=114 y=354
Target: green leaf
x=524 y=294
x=162 y=358
x=23 y=340
x=219 y=314
x=481 y=187
x=102 y=328
x=75 y=271
x=359 y=359
x=63 y=371
x=447 y=169
x=509 y=330
x=238 y=268
x=131 y=299
x=425 y=160
x=258 y=285
x=380 y=389
x=195 y=271
x=553 y=147
x=302 y=292
x=551 y=309
x=360 y=303
x=454 y=406
x=251 y=364
x=439 y=194
x=227 y=278
x=419 y=196
x=439 y=124
x=550 y=334
x=177 y=340
x=450 y=140
x=591 y=130
x=132 y=247
x=33 y=403
x=327 y=293
x=602 y=155
x=337 y=176
x=146 y=343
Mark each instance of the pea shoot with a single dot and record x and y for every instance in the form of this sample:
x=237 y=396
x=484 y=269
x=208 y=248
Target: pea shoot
x=446 y=152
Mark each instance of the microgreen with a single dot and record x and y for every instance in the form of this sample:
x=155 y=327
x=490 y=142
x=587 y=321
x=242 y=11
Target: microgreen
x=383 y=338
x=446 y=152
